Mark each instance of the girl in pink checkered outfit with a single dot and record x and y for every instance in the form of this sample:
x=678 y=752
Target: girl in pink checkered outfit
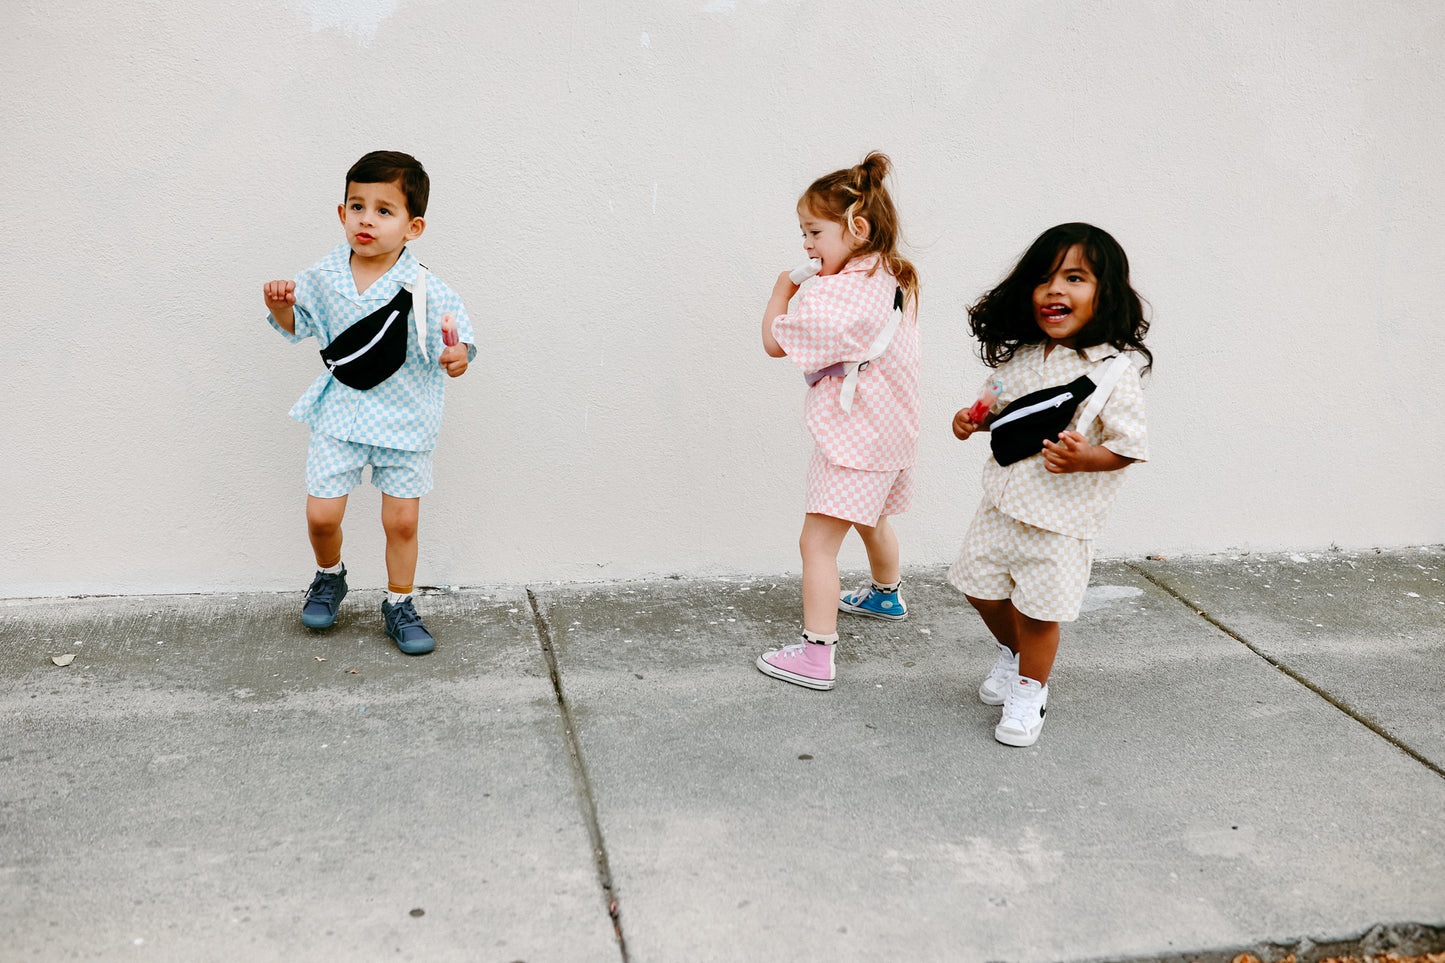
x=853 y=330
x=1063 y=331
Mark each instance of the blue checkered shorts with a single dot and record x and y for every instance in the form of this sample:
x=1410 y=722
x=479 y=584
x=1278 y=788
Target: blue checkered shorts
x=333 y=468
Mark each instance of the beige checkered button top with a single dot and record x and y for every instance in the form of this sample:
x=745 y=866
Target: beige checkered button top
x=1078 y=503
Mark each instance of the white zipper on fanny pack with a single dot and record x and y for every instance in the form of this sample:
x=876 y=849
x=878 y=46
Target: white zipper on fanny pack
x=1040 y=406
x=369 y=345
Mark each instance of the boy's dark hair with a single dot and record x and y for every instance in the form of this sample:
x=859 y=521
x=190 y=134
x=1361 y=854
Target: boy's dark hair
x=1003 y=319
x=385 y=166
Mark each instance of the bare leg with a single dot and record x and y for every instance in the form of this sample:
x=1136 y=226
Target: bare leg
x=1037 y=643
x=399 y=520
x=882 y=545
x=323 y=525
x=822 y=537
x=1001 y=618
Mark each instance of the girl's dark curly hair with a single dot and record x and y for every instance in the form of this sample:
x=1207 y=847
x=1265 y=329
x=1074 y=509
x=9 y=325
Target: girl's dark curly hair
x=1003 y=319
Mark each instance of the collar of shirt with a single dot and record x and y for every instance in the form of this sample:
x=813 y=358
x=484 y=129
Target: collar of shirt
x=1095 y=353
x=860 y=264
x=336 y=268
x=1033 y=354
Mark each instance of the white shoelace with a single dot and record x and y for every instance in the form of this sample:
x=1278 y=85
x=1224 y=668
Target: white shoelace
x=1014 y=711
x=1018 y=709
x=791 y=650
x=862 y=591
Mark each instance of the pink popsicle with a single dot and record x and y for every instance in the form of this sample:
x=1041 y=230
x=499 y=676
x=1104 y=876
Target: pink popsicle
x=449 y=331
x=986 y=398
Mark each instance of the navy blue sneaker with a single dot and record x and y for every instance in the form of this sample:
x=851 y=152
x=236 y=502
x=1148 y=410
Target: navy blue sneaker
x=323 y=598
x=867 y=600
x=405 y=628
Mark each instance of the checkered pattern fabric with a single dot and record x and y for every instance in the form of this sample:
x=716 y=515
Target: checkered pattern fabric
x=405 y=410
x=836 y=318
x=333 y=468
x=854 y=495
x=1044 y=573
x=1078 y=503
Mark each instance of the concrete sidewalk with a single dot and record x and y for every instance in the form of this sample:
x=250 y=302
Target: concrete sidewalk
x=1239 y=751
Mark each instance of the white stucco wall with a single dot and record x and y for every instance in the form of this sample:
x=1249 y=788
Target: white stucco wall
x=613 y=191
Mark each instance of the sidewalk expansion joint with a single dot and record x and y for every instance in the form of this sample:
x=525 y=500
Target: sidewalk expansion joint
x=583 y=783
x=1291 y=673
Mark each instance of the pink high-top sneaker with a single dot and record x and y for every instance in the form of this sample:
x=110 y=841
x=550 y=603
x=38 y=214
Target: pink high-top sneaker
x=801 y=663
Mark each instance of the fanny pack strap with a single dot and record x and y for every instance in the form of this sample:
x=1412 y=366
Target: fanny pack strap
x=418 y=308
x=1111 y=376
x=875 y=351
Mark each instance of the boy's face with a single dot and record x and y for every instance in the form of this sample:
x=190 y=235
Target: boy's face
x=376 y=220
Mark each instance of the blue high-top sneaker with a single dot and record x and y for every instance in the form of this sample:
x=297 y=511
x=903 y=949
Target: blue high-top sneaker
x=867 y=600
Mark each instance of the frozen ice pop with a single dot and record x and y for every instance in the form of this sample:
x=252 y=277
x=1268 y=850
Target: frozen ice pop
x=986 y=398
x=805 y=270
x=449 y=331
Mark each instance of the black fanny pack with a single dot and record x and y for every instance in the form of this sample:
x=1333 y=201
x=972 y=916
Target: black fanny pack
x=372 y=349
x=1022 y=427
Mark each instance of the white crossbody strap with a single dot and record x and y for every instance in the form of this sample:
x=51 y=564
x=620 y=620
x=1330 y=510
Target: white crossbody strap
x=876 y=350
x=418 y=308
x=1112 y=373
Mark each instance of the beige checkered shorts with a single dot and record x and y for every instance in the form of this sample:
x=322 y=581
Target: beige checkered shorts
x=1043 y=572
x=854 y=495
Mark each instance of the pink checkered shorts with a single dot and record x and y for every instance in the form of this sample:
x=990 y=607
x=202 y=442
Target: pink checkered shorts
x=854 y=495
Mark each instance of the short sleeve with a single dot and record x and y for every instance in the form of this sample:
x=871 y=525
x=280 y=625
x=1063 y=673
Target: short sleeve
x=835 y=319
x=1122 y=425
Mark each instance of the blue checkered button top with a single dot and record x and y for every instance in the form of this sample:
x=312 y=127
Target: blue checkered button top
x=405 y=410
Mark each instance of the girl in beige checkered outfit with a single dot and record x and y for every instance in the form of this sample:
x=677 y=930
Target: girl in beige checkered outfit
x=1052 y=329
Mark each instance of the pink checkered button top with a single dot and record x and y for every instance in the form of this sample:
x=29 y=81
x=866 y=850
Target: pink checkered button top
x=834 y=319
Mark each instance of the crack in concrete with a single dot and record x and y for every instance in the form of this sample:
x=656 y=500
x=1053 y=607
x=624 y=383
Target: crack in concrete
x=1396 y=939
x=1344 y=707
x=586 y=800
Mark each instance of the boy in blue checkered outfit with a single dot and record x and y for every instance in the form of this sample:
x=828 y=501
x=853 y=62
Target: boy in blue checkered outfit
x=380 y=401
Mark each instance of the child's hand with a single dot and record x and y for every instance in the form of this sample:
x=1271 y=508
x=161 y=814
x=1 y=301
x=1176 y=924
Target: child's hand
x=280 y=295
x=1074 y=453
x=1070 y=454
x=962 y=427
x=785 y=288
x=454 y=359
x=783 y=291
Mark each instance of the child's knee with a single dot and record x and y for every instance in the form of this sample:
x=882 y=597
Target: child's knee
x=400 y=529
x=400 y=521
x=323 y=516
x=822 y=537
